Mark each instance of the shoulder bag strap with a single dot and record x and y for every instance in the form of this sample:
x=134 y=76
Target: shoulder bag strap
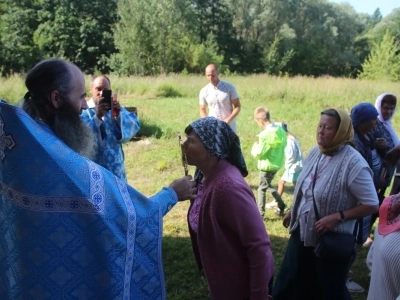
x=313 y=185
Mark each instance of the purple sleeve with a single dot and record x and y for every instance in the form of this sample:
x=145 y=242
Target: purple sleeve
x=242 y=216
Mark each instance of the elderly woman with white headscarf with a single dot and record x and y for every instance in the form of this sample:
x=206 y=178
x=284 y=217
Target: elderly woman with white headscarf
x=386 y=107
x=228 y=234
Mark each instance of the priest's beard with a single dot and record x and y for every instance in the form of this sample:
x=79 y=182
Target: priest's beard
x=69 y=127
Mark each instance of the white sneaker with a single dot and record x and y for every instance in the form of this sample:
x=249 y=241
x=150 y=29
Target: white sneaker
x=354 y=287
x=272 y=204
x=368 y=242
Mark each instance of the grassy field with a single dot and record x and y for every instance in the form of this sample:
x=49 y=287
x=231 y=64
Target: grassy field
x=166 y=105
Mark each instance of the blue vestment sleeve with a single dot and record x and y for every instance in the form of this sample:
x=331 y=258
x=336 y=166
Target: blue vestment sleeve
x=167 y=198
x=123 y=128
x=89 y=117
x=127 y=124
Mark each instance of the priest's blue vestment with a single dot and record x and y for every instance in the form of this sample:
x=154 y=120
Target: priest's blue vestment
x=70 y=229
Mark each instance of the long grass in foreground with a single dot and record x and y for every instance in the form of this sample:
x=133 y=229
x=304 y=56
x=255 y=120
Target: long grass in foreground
x=166 y=105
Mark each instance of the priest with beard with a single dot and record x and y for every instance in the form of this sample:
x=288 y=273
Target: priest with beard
x=70 y=228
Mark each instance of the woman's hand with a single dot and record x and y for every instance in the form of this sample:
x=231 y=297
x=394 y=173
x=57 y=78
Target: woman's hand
x=286 y=219
x=393 y=155
x=380 y=143
x=327 y=222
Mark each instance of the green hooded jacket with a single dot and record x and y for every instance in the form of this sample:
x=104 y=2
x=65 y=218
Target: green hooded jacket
x=270 y=150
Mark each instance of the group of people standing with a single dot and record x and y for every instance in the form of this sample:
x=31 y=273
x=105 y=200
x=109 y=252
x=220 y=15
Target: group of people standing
x=71 y=226
x=276 y=146
x=340 y=188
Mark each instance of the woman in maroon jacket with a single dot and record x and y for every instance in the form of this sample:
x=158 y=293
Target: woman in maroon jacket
x=228 y=235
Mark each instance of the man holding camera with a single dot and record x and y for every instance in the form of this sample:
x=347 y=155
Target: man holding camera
x=112 y=124
x=68 y=227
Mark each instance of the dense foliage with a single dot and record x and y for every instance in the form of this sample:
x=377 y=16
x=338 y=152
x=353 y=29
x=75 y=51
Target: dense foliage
x=150 y=37
x=383 y=61
x=80 y=31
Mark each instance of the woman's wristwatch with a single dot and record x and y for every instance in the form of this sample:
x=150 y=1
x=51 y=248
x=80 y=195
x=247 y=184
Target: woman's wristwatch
x=342 y=217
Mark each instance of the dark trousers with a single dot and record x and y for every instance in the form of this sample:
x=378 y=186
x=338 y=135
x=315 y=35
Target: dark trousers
x=266 y=187
x=303 y=276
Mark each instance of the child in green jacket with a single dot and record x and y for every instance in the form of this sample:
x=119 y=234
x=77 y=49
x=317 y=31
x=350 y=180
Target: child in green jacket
x=270 y=152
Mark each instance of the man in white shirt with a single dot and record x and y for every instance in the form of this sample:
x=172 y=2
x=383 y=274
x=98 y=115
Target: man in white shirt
x=220 y=97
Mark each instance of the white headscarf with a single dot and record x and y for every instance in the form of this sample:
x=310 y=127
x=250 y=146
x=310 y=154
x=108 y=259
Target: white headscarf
x=387 y=123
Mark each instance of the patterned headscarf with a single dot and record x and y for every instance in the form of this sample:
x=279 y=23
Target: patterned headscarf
x=220 y=140
x=363 y=113
x=389 y=215
x=344 y=134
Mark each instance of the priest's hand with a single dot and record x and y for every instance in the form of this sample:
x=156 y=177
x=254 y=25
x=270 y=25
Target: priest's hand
x=185 y=188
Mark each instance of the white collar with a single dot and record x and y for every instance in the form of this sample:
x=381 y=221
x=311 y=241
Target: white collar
x=215 y=87
x=90 y=103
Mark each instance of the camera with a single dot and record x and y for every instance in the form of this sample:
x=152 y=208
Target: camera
x=106 y=98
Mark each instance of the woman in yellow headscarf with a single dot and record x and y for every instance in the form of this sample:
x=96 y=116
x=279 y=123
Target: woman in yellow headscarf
x=337 y=178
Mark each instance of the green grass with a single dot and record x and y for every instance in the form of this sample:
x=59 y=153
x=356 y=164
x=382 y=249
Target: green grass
x=166 y=105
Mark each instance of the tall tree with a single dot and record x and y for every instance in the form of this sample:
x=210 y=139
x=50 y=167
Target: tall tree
x=79 y=31
x=18 y=21
x=324 y=38
x=383 y=61
x=374 y=19
x=214 y=20
x=374 y=31
x=391 y=22
x=150 y=36
x=249 y=34
x=133 y=39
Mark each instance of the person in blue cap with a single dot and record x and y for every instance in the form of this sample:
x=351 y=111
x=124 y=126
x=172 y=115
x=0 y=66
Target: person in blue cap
x=364 y=117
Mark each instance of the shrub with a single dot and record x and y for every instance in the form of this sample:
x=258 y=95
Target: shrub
x=168 y=91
